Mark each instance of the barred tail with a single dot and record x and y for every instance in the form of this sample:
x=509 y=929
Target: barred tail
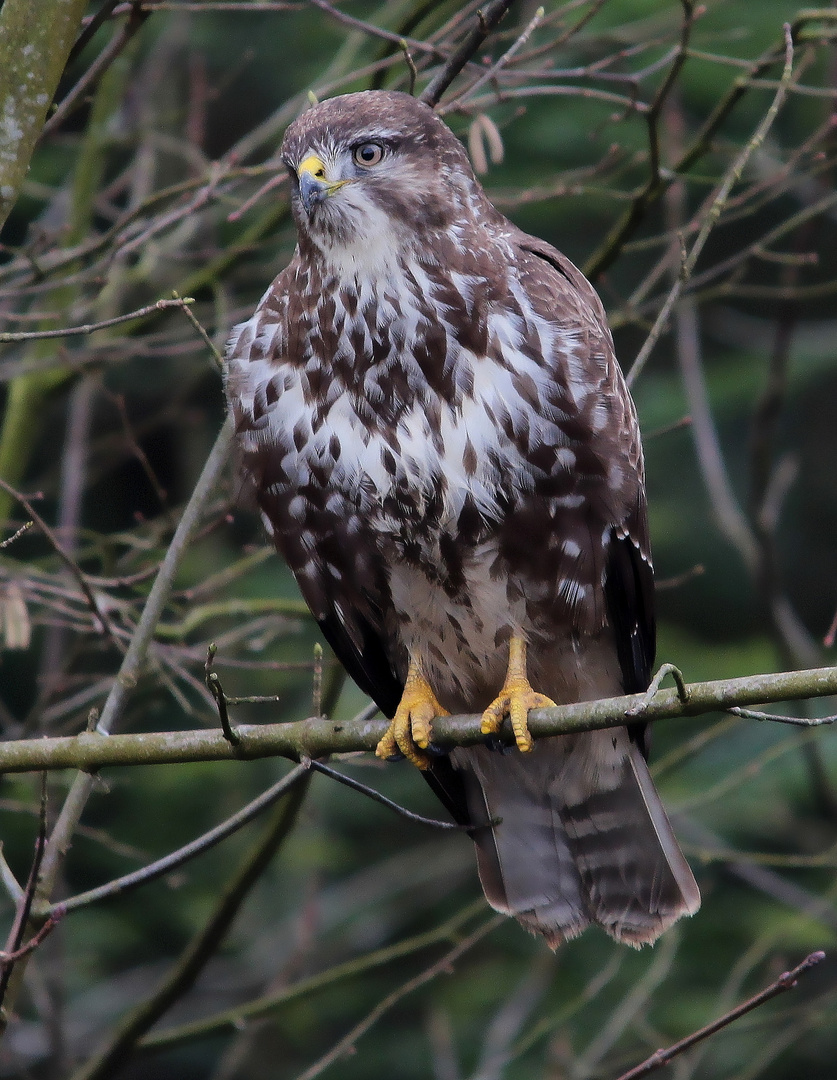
x=583 y=838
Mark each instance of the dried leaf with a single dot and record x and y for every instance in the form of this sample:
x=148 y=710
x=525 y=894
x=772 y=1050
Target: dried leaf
x=14 y=618
x=476 y=147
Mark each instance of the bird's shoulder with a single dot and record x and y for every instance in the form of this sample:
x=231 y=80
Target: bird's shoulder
x=555 y=286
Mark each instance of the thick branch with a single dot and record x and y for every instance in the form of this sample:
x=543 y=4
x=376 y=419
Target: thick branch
x=486 y=21
x=35 y=41
x=319 y=736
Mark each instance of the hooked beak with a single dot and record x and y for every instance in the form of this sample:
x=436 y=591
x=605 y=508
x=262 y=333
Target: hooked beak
x=314 y=185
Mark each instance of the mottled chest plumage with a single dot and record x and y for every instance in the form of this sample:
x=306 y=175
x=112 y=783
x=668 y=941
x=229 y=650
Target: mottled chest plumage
x=442 y=461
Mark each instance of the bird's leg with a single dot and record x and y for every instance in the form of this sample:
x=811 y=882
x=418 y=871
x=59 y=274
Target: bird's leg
x=515 y=699
x=411 y=728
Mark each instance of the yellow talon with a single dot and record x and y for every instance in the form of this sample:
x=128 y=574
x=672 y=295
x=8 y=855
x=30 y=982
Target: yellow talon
x=515 y=699
x=411 y=729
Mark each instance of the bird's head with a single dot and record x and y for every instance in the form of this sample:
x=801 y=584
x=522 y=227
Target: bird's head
x=375 y=170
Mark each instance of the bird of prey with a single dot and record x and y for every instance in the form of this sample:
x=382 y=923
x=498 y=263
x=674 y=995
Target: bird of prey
x=444 y=451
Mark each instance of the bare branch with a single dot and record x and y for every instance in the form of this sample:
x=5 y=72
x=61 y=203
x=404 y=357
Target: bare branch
x=7 y=958
x=376 y=31
x=121 y=1046
x=232 y=1019
x=794 y=721
x=715 y=208
x=377 y=797
x=25 y=527
x=787 y=981
x=184 y=854
x=135 y=657
x=614 y=243
x=90 y=328
x=486 y=21
x=75 y=96
x=100 y=618
x=15 y=950
x=497 y=67
x=346 y=1044
x=319 y=736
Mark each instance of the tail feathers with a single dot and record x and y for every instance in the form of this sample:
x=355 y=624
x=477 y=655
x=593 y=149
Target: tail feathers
x=583 y=838
x=525 y=863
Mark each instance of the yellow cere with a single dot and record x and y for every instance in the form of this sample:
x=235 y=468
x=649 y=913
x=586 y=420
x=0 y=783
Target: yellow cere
x=313 y=165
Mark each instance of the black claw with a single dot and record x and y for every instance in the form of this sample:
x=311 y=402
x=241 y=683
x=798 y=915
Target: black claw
x=397 y=756
x=494 y=742
x=434 y=750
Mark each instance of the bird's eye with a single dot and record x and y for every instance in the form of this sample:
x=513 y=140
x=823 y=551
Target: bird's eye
x=368 y=153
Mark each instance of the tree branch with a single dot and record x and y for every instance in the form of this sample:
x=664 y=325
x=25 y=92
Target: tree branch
x=319 y=736
x=231 y=1020
x=35 y=41
x=89 y=328
x=609 y=250
x=345 y=1046
x=76 y=95
x=486 y=21
x=715 y=208
x=787 y=981
x=122 y=1044
x=184 y=854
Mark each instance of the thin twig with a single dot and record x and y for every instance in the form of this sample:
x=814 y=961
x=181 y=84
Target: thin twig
x=702 y=143
x=122 y=1044
x=794 y=721
x=186 y=853
x=787 y=981
x=74 y=97
x=134 y=446
x=16 y=536
x=411 y=64
x=375 y=31
x=213 y=684
x=190 y=315
x=14 y=942
x=376 y=796
x=200 y=7
x=656 y=683
x=652 y=117
x=346 y=1044
x=497 y=67
x=90 y=328
x=100 y=618
x=135 y=657
x=91 y=24
x=7 y=958
x=714 y=210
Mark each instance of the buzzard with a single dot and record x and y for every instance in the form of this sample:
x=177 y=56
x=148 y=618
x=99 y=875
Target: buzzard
x=444 y=451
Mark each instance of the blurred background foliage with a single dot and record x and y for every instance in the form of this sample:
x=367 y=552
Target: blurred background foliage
x=155 y=181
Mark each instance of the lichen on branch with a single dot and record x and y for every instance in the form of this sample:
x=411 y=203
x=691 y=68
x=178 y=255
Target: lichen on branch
x=318 y=736
x=35 y=41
